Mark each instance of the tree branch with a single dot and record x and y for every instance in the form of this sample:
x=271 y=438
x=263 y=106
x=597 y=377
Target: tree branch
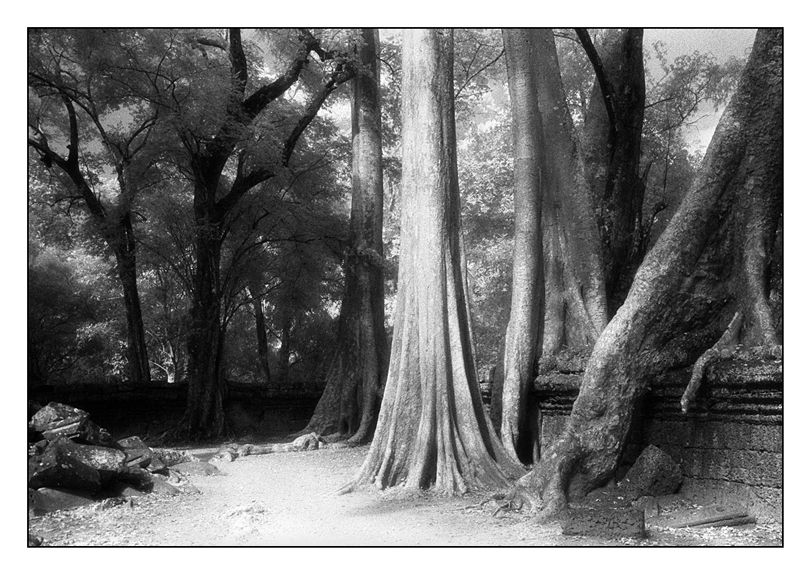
x=608 y=92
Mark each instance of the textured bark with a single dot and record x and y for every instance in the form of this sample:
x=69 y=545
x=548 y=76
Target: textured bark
x=575 y=303
x=689 y=287
x=523 y=331
x=432 y=430
x=611 y=150
x=354 y=383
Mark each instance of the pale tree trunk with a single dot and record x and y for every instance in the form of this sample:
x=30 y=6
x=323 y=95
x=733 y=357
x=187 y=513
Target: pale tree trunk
x=691 y=289
x=611 y=150
x=354 y=383
x=432 y=431
x=575 y=311
x=524 y=328
x=575 y=302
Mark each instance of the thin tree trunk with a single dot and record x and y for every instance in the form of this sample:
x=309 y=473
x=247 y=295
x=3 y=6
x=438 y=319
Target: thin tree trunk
x=350 y=401
x=261 y=335
x=432 y=430
x=524 y=329
x=688 y=288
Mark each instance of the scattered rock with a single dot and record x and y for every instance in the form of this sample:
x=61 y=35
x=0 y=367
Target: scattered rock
x=58 y=420
x=58 y=467
x=197 y=467
x=45 y=500
x=603 y=522
x=170 y=457
x=138 y=453
x=161 y=487
x=653 y=474
x=109 y=462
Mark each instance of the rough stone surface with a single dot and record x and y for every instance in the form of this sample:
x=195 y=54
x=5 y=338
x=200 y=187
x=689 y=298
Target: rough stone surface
x=55 y=415
x=653 y=474
x=57 y=467
x=603 y=522
x=138 y=453
x=45 y=500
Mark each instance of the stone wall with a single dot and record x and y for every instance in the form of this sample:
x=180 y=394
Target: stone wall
x=147 y=410
x=729 y=445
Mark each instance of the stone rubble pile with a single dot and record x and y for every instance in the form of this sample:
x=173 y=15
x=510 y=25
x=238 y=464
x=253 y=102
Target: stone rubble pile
x=74 y=462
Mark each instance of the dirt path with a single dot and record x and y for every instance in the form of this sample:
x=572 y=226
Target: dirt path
x=285 y=500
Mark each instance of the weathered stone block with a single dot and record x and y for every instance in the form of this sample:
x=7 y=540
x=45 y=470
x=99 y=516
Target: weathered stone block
x=137 y=452
x=603 y=522
x=654 y=473
x=46 y=500
x=57 y=467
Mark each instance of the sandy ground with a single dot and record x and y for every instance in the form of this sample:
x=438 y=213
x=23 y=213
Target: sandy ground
x=287 y=499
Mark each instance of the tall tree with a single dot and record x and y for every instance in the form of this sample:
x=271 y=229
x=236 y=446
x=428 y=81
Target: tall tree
x=432 y=429
x=354 y=383
x=524 y=330
x=89 y=115
x=704 y=288
x=216 y=196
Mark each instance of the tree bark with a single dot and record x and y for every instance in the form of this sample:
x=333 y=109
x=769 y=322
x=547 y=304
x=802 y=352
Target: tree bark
x=575 y=300
x=611 y=149
x=524 y=329
x=432 y=430
x=354 y=383
x=689 y=287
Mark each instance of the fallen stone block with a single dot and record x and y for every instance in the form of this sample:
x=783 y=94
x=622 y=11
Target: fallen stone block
x=653 y=474
x=59 y=420
x=47 y=500
x=109 y=462
x=58 y=468
x=137 y=453
x=712 y=515
x=603 y=522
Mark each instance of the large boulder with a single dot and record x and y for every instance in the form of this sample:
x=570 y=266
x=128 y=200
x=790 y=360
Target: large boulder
x=46 y=500
x=66 y=464
x=57 y=467
x=653 y=474
x=59 y=420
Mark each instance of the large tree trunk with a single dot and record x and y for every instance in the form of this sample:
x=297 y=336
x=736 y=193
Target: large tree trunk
x=691 y=286
x=432 y=429
x=611 y=149
x=204 y=415
x=524 y=328
x=354 y=383
x=575 y=301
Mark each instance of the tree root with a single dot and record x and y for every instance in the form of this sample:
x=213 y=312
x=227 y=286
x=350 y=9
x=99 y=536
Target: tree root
x=515 y=500
x=721 y=349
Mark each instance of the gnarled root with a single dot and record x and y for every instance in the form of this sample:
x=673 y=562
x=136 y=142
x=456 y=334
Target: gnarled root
x=721 y=349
